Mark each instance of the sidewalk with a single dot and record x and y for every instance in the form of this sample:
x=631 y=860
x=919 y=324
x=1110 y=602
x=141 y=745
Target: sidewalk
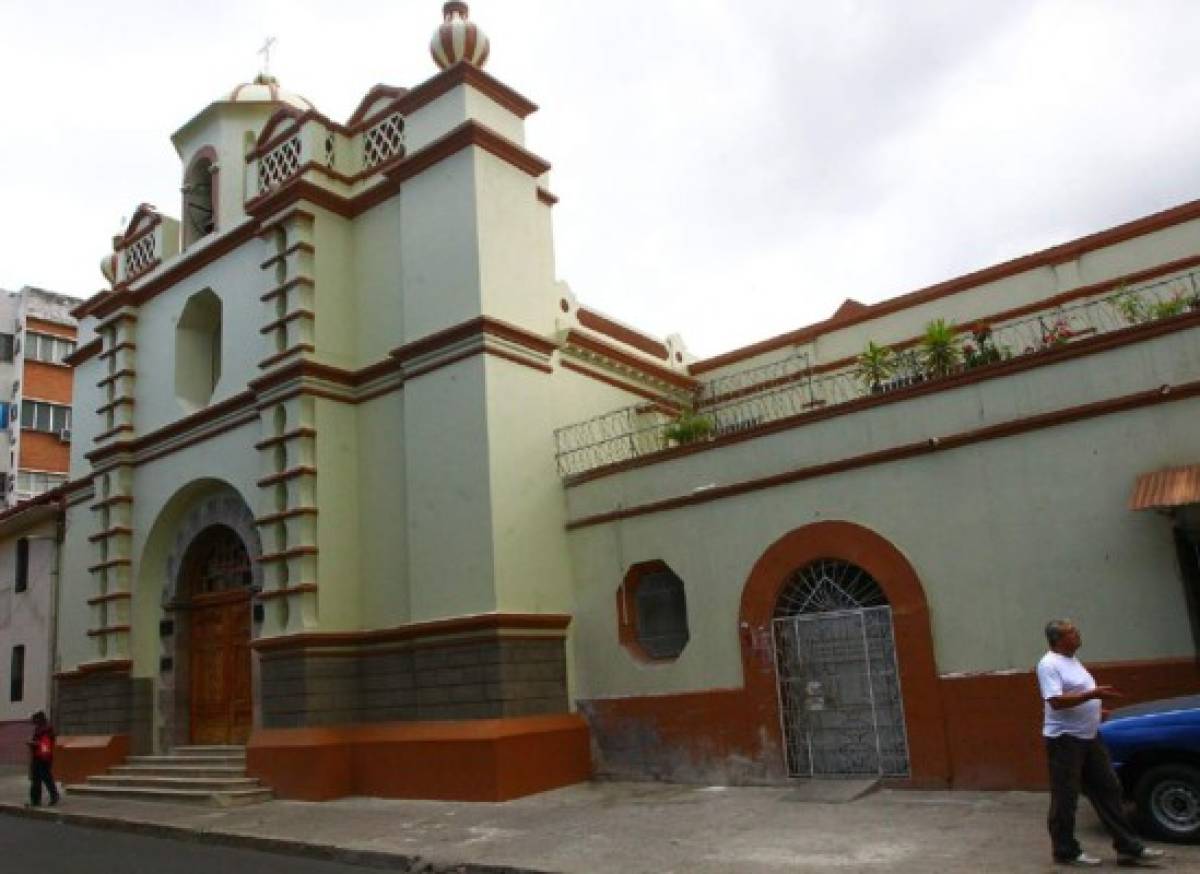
x=626 y=828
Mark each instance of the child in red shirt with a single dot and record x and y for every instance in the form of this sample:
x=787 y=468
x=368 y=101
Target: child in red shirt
x=41 y=761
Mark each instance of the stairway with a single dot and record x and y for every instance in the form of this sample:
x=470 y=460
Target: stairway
x=194 y=774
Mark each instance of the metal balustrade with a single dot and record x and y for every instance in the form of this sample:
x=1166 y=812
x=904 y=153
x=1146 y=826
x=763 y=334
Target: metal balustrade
x=766 y=393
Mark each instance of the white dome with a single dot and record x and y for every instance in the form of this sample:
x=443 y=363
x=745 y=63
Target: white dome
x=265 y=89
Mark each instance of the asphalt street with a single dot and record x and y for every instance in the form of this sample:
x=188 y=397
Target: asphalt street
x=55 y=848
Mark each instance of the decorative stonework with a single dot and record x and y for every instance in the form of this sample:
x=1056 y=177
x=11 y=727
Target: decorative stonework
x=473 y=668
x=226 y=509
x=110 y=603
x=289 y=301
x=279 y=165
x=383 y=141
x=118 y=334
x=287 y=519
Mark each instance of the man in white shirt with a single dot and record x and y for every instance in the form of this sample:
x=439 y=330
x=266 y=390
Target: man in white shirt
x=1078 y=760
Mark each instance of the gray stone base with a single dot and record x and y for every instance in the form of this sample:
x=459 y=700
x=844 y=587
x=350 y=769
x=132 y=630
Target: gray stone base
x=106 y=702
x=481 y=677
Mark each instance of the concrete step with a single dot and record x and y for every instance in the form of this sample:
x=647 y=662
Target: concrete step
x=190 y=761
x=205 y=784
x=187 y=770
x=209 y=750
x=180 y=796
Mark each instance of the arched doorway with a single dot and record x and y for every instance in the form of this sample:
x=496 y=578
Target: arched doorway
x=840 y=702
x=215 y=577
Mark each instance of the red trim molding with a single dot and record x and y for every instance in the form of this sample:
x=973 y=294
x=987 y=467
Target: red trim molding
x=621 y=357
x=1054 y=355
x=469 y=133
x=606 y=326
x=1046 y=258
x=110 y=666
x=1067 y=415
x=617 y=383
x=543 y=622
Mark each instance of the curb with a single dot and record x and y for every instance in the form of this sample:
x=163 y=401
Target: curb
x=278 y=846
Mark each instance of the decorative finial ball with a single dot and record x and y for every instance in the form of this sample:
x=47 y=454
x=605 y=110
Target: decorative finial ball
x=458 y=39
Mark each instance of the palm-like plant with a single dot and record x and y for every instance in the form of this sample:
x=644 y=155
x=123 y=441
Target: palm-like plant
x=940 y=352
x=875 y=365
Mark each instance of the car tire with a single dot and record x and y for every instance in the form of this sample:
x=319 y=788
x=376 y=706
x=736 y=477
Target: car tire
x=1168 y=803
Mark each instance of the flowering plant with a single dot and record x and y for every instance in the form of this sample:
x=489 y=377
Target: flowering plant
x=983 y=350
x=1057 y=333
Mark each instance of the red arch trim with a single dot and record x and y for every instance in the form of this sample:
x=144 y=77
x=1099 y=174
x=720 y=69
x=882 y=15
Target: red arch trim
x=923 y=710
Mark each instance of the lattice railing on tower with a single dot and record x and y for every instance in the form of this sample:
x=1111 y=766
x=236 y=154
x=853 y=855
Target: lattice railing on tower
x=279 y=164
x=330 y=151
x=383 y=141
x=140 y=256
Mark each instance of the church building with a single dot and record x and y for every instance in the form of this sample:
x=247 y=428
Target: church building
x=360 y=486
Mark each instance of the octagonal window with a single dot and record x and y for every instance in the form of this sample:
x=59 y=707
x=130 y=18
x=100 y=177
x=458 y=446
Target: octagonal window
x=198 y=350
x=652 y=606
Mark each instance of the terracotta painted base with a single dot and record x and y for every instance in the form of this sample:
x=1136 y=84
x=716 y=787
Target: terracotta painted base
x=994 y=721
x=469 y=760
x=992 y=730
x=78 y=757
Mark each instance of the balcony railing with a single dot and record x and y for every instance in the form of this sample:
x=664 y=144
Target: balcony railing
x=778 y=390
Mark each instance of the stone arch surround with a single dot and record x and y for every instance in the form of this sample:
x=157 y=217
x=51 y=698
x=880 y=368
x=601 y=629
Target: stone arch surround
x=923 y=709
x=224 y=506
x=226 y=509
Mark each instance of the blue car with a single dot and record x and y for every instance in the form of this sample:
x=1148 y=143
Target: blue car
x=1155 y=748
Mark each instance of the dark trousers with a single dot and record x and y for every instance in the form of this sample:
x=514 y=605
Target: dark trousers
x=39 y=775
x=1082 y=766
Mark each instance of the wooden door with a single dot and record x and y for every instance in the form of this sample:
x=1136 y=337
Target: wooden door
x=221 y=705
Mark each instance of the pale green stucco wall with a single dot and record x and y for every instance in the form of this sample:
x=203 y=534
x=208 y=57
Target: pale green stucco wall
x=1003 y=534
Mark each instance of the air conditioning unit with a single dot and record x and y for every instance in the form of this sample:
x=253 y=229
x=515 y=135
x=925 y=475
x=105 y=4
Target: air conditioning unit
x=65 y=435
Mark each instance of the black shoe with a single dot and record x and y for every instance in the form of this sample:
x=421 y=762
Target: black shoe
x=53 y=802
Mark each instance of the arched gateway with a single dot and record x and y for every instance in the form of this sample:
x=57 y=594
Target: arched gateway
x=837 y=599
x=839 y=688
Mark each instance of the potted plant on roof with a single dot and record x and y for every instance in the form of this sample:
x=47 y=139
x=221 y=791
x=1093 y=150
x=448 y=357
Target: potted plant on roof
x=940 y=353
x=875 y=366
x=982 y=348
x=688 y=427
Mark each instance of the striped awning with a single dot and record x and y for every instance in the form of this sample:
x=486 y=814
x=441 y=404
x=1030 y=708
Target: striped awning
x=1164 y=489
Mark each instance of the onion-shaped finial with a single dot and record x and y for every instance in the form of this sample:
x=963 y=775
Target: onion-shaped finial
x=458 y=39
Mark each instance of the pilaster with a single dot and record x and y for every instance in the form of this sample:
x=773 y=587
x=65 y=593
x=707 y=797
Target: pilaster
x=287 y=515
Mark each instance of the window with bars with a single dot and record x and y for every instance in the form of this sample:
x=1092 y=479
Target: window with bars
x=44 y=347
x=35 y=482
x=217 y=561
x=653 y=603
x=45 y=416
x=7 y=347
x=829 y=585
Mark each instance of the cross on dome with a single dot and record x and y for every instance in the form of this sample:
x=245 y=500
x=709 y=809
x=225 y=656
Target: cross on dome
x=265 y=51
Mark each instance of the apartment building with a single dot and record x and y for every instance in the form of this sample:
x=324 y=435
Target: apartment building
x=37 y=333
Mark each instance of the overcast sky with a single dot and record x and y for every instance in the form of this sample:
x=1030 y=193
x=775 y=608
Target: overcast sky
x=728 y=170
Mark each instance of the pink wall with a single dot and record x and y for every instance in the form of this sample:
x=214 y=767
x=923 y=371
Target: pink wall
x=12 y=742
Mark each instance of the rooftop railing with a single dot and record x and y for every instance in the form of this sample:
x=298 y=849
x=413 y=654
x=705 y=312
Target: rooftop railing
x=767 y=393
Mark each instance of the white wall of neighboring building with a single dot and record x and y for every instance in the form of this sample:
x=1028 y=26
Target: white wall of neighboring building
x=26 y=617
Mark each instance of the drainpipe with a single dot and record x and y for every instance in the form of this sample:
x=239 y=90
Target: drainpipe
x=60 y=526
x=60 y=530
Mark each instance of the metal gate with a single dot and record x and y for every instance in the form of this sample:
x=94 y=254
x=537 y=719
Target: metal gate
x=839 y=693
